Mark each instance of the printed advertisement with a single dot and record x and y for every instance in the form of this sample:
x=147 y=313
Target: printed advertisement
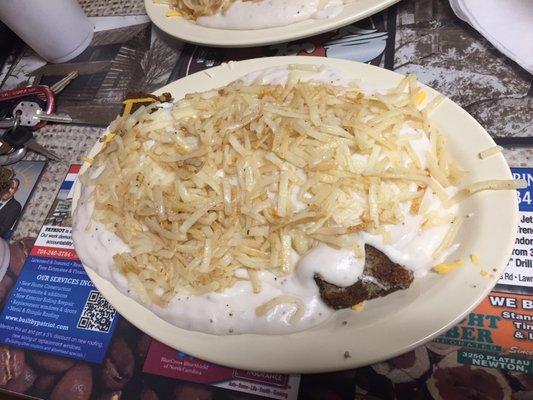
x=520 y=268
x=498 y=334
x=54 y=307
x=165 y=361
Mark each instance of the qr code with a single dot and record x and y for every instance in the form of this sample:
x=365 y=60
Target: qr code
x=98 y=314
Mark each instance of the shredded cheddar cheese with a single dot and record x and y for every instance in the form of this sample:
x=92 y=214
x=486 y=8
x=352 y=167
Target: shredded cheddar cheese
x=173 y=14
x=140 y=100
x=128 y=104
x=421 y=96
x=127 y=108
x=109 y=137
x=444 y=268
x=358 y=307
x=474 y=258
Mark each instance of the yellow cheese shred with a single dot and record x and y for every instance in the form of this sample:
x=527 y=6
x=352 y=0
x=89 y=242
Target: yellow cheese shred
x=128 y=103
x=444 y=268
x=358 y=307
x=141 y=100
x=474 y=258
x=420 y=97
x=109 y=137
x=127 y=108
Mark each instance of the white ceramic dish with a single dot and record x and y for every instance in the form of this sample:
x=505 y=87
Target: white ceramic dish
x=191 y=32
x=387 y=326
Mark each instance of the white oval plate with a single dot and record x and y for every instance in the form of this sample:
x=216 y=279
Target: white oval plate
x=191 y=32
x=387 y=326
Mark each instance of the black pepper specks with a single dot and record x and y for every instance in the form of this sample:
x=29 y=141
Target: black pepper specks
x=344 y=323
x=347 y=355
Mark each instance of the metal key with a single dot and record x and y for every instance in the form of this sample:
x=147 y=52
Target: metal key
x=40 y=115
x=61 y=84
x=28 y=109
x=31 y=114
x=38 y=148
x=22 y=137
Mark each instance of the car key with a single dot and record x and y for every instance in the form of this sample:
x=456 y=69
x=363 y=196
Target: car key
x=17 y=136
x=20 y=136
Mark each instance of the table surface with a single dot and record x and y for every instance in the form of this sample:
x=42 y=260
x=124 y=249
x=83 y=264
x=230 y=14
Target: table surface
x=423 y=37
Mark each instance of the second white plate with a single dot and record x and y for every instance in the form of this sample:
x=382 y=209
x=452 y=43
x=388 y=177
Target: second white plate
x=191 y=32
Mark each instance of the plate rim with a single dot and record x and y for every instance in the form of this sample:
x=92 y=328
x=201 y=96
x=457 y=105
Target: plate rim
x=124 y=309
x=252 y=37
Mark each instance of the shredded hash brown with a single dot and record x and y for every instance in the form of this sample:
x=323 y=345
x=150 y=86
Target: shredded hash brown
x=192 y=9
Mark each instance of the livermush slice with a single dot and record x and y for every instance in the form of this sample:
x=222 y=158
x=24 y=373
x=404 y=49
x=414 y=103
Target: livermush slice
x=380 y=277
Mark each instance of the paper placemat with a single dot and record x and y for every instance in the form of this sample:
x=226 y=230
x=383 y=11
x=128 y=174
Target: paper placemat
x=105 y=8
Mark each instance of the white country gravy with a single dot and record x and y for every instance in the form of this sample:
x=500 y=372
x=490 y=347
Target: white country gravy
x=271 y=13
